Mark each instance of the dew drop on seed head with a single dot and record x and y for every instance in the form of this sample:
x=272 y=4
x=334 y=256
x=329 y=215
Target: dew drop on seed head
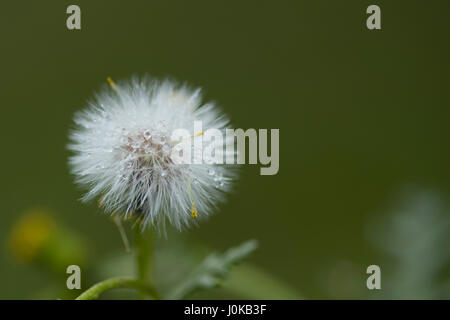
x=147 y=134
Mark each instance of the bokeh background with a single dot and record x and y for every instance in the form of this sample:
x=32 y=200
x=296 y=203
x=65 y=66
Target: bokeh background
x=363 y=116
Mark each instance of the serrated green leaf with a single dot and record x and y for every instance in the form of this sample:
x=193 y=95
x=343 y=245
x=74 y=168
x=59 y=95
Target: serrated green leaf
x=213 y=270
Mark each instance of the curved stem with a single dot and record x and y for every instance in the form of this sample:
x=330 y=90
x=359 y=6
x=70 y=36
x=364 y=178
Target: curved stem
x=120 y=282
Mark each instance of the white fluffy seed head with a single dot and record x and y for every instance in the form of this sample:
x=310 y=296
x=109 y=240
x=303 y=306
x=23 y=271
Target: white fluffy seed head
x=124 y=154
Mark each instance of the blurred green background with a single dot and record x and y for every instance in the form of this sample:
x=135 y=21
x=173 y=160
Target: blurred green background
x=361 y=115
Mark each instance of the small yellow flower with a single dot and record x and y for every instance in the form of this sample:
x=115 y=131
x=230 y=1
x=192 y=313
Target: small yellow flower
x=30 y=234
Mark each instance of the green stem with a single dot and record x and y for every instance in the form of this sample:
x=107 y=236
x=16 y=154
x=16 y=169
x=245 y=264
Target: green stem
x=143 y=247
x=120 y=282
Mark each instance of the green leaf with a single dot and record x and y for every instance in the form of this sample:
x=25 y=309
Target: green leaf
x=212 y=270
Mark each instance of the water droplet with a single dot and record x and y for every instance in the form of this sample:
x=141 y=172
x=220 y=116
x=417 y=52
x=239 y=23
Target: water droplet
x=147 y=134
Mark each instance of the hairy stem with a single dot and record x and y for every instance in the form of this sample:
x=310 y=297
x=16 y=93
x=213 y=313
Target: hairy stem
x=120 y=282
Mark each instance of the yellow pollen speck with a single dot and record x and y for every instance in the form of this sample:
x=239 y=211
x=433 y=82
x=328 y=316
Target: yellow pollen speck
x=198 y=134
x=112 y=84
x=190 y=137
x=194 y=213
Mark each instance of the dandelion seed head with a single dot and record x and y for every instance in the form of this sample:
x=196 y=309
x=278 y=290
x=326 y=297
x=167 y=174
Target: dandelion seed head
x=123 y=153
